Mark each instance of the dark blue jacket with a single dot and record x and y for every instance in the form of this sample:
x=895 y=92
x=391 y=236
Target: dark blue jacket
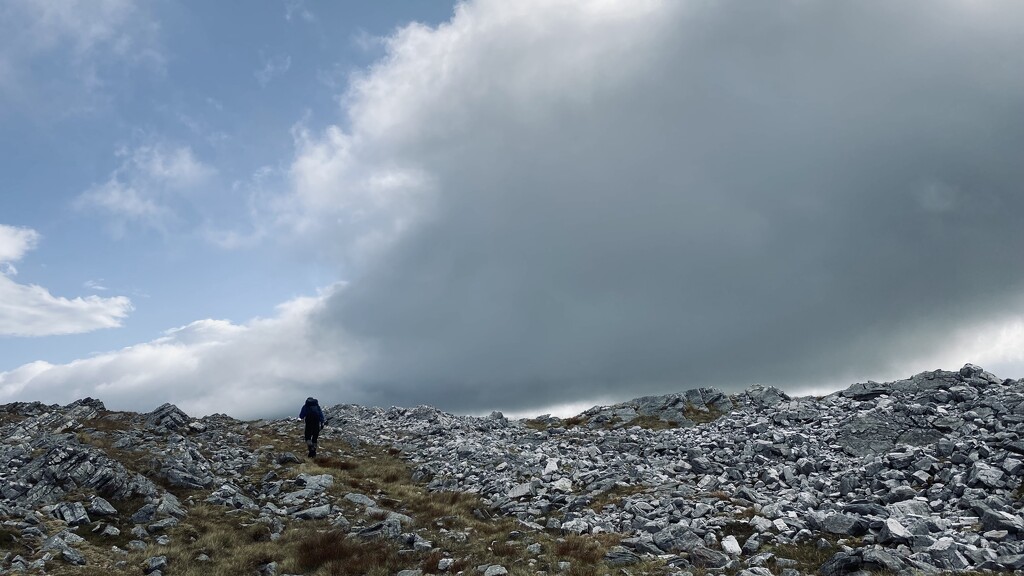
x=312 y=415
x=311 y=411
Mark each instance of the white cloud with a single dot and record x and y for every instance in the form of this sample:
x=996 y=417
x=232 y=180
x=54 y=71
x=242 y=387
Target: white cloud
x=273 y=67
x=15 y=242
x=30 y=310
x=296 y=9
x=88 y=37
x=148 y=185
x=548 y=201
x=545 y=200
x=265 y=366
x=96 y=285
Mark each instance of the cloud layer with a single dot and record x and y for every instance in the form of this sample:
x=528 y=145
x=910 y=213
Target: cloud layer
x=30 y=310
x=543 y=202
x=265 y=367
x=90 y=38
x=619 y=198
x=148 y=188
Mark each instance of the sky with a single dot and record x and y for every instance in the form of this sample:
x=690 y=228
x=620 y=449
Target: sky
x=531 y=206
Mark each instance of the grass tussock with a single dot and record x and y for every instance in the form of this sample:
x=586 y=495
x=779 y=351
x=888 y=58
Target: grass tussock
x=616 y=495
x=567 y=423
x=579 y=549
x=808 y=556
x=108 y=421
x=702 y=416
x=652 y=423
x=337 y=554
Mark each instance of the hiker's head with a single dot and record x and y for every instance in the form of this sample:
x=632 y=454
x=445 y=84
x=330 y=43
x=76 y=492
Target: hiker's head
x=311 y=401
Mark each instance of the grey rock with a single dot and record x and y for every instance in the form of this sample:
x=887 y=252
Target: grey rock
x=998 y=520
x=621 y=556
x=73 y=513
x=72 y=556
x=704 y=557
x=144 y=515
x=893 y=532
x=360 y=499
x=388 y=529
x=167 y=416
x=730 y=546
x=841 y=524
x=162 y=525
x=154 y=563
x=314 y=513
x=98 y=506
x=982 y=474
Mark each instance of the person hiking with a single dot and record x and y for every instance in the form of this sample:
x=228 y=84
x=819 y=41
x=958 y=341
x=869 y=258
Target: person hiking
x=314 y=418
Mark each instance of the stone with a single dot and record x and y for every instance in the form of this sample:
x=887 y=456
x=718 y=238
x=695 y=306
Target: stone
x=982 y=474
x=169 y=506
x=945 y=555
x=893 y=532
x=841 y=524
x=144 y=515
x=73 y=513
x=841 y=564
x=621 y=556
x=388 y=529
x=998 y=520
x=98 y=506
x=731 y=547
x=72 y=556
x=167 y=416
x=495 y=570
x=909 y=508
x=154 y=563
x=315 y=513
x=360 y=499
x=521 y=490
x=162 y=525
x=704 y=557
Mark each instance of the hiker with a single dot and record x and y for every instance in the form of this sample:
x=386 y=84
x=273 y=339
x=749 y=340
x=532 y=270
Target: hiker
x=314 y=418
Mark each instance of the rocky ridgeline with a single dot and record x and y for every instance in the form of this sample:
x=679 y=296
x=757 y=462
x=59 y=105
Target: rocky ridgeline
x=919 y=475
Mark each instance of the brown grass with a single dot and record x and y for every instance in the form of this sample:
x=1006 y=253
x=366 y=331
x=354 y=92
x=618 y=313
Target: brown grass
x=702 y=416
x=536 y=424
x=574 y=422
x=237 y=544
x=108 y=421
x=341 y=555
x=579 y=549
x=652 y=423
x=616 y=496
x=808 y=556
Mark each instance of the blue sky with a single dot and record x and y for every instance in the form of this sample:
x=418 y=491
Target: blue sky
x=524 y=206
x=224 y=89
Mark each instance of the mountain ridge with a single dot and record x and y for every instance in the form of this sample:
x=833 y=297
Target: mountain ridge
x=917 y=475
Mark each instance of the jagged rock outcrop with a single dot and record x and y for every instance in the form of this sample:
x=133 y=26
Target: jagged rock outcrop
x=923 y=474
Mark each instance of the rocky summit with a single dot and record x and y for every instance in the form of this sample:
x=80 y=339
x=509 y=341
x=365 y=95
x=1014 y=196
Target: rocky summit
x=918 y=476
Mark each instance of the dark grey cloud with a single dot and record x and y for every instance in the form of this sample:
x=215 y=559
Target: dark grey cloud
x=685 y=194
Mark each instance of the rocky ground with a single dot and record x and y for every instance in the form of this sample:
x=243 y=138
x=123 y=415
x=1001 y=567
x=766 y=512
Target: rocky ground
x=917 y=476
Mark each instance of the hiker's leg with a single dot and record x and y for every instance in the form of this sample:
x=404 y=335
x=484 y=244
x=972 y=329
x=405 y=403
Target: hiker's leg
x=310 y=445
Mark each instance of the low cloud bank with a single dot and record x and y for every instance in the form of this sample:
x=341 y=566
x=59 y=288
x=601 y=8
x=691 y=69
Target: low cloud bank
x=30 y=310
